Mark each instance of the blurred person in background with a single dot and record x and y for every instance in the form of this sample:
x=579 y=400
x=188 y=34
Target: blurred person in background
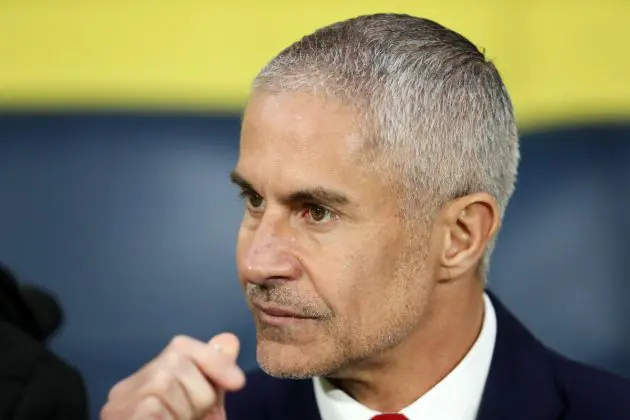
x=377 y=158
x=34 y=383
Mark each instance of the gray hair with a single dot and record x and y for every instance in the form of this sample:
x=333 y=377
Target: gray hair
x=435 y=110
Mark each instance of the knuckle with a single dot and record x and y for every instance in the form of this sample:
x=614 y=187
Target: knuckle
x=179 y=343
x=117 y=390
x=161 y=380
x=108 y=412
x=171 y=360
x=150 y=406
x=185 y=368
x=203 y=405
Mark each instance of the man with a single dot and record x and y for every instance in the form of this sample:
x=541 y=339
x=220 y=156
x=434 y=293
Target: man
x=34 y=383
x=377 y=158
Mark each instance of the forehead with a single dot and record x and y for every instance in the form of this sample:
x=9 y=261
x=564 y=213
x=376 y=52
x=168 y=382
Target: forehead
x=299 y=136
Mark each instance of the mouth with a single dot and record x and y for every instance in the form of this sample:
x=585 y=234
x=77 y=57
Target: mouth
x=277 y=315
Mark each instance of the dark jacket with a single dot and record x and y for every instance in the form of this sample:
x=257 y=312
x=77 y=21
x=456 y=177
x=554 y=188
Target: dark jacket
x=527 y=381
x=34 y=383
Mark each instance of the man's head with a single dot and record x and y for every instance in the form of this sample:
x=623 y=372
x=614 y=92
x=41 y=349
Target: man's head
x=377 y=158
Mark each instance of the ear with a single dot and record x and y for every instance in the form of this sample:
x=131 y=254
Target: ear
x=469 y=223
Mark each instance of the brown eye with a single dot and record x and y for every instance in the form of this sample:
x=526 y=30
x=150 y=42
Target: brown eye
x=318 y=214
x=255 y=201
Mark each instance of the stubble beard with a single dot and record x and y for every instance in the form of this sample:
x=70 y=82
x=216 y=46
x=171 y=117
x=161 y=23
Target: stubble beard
x=350 y=344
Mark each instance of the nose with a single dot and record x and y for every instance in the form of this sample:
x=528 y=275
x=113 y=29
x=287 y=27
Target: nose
x=267 y=255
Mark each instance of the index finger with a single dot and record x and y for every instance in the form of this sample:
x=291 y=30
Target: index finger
x=217 y=363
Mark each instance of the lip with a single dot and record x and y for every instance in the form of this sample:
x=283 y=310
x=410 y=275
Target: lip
x=276 y=315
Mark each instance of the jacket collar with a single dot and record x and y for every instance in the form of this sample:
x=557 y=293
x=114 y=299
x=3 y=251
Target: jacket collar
x=520 y=384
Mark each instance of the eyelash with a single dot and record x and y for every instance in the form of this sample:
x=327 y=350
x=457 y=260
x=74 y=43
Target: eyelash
x=246 y=195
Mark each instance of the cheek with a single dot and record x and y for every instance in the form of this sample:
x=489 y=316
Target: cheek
x=360 y=277
x=380 y=276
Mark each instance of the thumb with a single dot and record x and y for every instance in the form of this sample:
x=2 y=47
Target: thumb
x=226 y=343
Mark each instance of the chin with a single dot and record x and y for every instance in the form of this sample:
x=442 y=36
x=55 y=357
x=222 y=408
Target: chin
x=293 y=361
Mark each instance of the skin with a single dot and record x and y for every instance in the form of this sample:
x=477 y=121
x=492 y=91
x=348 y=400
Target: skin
x=337 y=284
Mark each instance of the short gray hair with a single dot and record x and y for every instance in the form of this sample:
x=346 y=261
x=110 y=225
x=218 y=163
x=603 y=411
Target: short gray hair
x=437 y=111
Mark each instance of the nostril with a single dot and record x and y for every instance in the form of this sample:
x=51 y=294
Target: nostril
x=272 y=282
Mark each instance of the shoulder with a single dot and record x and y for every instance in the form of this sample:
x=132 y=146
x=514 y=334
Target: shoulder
x=525 y=369
x=588 y=391
x=266 y=397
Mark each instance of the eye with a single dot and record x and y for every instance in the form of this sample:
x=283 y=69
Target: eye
x=253 y=201
x=318 y=214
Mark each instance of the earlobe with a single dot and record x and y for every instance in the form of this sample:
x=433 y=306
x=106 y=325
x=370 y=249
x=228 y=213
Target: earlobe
x=469 y=224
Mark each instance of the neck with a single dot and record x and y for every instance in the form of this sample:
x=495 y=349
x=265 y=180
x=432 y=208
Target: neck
x=396 y=378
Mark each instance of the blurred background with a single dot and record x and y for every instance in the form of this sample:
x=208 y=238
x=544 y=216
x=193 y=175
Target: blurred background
x=119 y=124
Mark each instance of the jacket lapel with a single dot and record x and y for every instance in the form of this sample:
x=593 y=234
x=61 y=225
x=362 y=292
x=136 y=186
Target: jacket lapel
x=297 y=401
x=520 y=384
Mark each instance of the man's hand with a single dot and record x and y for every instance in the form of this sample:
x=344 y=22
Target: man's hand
x=187 y=381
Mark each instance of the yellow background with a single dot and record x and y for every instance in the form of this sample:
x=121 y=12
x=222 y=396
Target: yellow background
x=563 y=61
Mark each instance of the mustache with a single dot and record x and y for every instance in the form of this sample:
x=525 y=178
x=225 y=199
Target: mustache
x=288 y=299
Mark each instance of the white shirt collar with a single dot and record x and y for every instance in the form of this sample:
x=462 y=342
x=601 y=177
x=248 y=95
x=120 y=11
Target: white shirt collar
x=456 y=397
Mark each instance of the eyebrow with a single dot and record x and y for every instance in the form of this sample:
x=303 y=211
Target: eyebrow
x=238 y=179
x=318 y=195
x=315 y=195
